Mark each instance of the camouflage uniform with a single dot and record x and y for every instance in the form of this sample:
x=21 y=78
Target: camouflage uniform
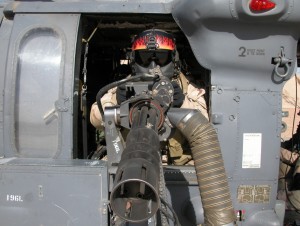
x=194 y=99
x=289 y=172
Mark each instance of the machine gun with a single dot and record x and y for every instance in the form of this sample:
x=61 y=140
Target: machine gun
x=135 y=195
x=135 y=169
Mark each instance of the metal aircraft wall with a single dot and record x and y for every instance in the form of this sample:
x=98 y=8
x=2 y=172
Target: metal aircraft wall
x=236 y=44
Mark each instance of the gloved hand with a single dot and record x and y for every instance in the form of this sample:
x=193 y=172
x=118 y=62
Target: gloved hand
x=178 y=96
x=121 y=94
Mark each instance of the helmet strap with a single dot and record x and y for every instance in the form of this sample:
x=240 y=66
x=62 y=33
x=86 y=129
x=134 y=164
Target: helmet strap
x=152 y=43
x=176 y=64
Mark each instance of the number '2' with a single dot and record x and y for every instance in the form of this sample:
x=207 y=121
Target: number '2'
x=243 y=51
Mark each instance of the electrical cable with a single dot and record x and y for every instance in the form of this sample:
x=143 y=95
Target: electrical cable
x=104 y=89
x=166 y=214
x=175 y=217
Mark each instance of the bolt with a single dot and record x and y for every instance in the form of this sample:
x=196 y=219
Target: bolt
x=237 y=98
x=104 y=211
x=231 y=117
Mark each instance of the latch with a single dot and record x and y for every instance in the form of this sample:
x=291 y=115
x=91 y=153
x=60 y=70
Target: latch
x=62 y=104
x=8 y=11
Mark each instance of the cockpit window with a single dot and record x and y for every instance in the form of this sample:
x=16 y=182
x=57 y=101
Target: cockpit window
x=37 y=89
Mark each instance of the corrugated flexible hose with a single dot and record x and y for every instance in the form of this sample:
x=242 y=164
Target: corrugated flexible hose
x=209 y=165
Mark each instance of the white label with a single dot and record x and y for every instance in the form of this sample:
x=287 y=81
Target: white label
x=251 y=150
x=14 y=198
x=115 y=143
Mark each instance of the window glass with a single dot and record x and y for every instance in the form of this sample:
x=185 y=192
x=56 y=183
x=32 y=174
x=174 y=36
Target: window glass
x=37 y=90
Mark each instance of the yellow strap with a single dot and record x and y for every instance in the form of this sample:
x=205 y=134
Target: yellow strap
x=184 y=83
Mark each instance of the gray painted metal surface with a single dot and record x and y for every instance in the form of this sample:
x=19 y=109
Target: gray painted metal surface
x=47 y=192
x=246 y=92
x=23 y=26
x=235 y=44
x=135 y=6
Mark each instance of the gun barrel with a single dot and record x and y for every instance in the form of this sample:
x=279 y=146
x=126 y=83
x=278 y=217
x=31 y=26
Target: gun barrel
x=135 y=194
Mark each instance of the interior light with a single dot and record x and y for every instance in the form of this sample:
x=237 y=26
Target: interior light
x=261 y=5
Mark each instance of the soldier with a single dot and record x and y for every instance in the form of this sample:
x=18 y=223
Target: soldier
x=150 y=49
x=289 y=172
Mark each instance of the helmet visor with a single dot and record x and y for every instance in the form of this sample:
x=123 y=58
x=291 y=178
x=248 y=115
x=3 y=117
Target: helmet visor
x=160 y=57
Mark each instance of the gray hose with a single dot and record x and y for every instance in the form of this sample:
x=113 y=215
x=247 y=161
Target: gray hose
x=211 y=176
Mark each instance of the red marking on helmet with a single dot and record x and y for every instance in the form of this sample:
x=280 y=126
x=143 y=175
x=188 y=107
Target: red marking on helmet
x=162 y=41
